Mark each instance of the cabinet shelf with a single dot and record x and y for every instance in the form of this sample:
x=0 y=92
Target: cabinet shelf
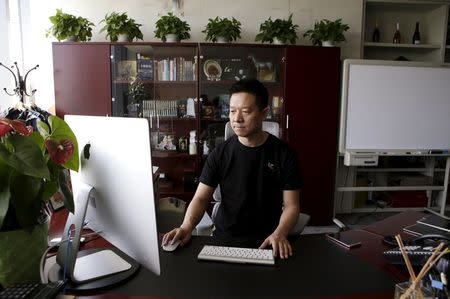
x=120 y=81
x=409 y=46
x=231 y=82
x=170 y=154
x=395 y=170
x=391 y=188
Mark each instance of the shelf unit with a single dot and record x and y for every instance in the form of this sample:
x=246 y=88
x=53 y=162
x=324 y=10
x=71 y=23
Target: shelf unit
x=423 y=179
x=433 y=19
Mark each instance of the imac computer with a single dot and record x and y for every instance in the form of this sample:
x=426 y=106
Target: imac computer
x=113 y=193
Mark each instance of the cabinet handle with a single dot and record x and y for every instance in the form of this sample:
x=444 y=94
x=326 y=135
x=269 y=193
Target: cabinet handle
x=283 y=59
x=287 y=121
x=113 y=99
x=201 y=100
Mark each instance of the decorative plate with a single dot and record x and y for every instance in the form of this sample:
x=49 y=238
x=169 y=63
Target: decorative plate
x=212 y=70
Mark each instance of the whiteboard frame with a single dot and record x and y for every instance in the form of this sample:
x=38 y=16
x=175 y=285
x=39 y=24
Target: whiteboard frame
x=344 y=102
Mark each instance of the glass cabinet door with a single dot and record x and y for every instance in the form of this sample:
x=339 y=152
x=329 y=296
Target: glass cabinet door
x=159 y=82
x=220 y=67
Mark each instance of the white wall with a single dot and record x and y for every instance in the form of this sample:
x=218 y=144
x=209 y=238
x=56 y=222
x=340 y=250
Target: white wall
x=5 y=76
x=251 y=13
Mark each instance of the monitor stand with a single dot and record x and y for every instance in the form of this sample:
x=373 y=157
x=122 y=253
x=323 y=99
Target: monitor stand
x=90 y=269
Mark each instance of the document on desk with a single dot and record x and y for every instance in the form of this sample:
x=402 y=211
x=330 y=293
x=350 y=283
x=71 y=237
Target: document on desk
x=343 y=239
x=436 y=222
x=421 y=229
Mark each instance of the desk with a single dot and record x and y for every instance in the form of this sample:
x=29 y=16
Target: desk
x=318 y=269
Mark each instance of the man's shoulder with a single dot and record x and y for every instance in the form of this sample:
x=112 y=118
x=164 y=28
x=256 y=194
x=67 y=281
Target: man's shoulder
x=225 y=146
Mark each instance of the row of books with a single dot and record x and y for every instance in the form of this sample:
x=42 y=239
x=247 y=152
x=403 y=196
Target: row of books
x=175 y=69
x=163 y=108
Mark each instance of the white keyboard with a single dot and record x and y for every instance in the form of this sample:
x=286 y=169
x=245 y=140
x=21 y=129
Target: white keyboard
x=237 y=255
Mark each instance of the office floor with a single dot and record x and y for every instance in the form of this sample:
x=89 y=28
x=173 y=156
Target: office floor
x=353 y=221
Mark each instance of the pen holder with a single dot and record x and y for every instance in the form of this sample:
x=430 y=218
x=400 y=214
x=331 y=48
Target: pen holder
x=420 y=292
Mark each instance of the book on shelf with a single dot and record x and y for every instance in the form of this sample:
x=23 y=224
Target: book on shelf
x=144 y=67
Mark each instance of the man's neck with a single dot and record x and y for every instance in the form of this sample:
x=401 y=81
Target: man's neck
x=254 y=140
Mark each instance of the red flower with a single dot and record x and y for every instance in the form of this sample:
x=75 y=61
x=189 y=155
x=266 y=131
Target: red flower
x=60 y=151
x=4 y=128
x=7 y=125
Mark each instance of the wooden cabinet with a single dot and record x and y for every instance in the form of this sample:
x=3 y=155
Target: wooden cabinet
x=183 y=92
x=432 y=17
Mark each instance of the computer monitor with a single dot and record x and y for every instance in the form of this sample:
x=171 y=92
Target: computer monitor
x=115 y=159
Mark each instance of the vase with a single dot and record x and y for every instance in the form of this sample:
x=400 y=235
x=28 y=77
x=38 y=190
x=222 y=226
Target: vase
x=123 y=38
x=222 y=40
x=278 y=41
x=133 y=110
x=20 y=254
x=328 y=43
x=71 y=39
x=172 y=38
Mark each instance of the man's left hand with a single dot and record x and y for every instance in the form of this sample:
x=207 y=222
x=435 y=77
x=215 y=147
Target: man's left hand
x=280 y=245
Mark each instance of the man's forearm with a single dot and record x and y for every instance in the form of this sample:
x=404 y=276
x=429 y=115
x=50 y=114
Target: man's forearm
x=288 y=219
x=193 y=214
x=197 y=207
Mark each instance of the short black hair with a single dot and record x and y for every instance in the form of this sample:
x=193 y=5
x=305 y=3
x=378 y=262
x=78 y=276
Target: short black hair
x=254 y=87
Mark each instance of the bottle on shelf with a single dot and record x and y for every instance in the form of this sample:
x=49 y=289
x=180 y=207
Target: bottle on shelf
x=376 y=33
x=416 y=35
x=192 y=144
x=397 y=36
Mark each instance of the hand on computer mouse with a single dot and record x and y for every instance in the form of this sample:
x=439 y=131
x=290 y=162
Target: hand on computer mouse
x=171 y=246
x=178 y=235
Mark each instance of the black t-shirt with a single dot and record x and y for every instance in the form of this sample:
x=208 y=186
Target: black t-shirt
x=252 y=180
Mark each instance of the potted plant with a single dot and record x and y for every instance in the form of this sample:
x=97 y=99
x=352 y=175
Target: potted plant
x=120 y=28
x=222 y=30
x=69 y=27
x=137 y=92
x=34 y=157
x=278 y=31
x=171 y=28
x=327 y=33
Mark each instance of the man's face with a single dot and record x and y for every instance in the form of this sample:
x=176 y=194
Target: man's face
x=245 y=117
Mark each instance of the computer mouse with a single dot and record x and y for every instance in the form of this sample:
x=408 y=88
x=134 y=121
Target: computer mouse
x=171 y=247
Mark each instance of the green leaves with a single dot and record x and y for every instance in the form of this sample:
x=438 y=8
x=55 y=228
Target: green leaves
x=60 y=130
x=171 y=24
x=230 y=29
x=116 y=24
x=67 y=25
x=327 y=30
x=284 y=30
x=24 y=155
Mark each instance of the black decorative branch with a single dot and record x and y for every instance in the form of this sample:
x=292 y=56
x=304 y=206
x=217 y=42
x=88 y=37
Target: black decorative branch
x=20 y=82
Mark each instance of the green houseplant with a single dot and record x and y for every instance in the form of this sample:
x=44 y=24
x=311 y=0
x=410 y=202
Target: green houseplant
x=137 y=92
x=277 y=31
x=34 y=158
x=327 y=33
x=69 y=27
x=222 y=30
x=120 y=27
x=172 y=28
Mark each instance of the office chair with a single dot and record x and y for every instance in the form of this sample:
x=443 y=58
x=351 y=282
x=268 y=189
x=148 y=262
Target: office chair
x=206 y=225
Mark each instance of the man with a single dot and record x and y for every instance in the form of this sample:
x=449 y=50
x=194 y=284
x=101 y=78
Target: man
x=258 y=176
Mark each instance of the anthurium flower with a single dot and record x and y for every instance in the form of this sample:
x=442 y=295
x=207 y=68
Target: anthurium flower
x=16 y=125
x=60 y=151
x=4 y=128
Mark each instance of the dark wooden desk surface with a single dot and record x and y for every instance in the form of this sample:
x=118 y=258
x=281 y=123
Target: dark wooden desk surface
x=370 y=251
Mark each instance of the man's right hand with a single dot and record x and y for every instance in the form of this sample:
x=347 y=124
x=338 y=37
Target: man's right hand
x=176 y=234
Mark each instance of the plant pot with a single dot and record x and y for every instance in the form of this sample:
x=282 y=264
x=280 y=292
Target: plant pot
x=172 y=38
x=20 y=254
x=71 y=39
x=123 y=38
x=222 y=40
x=328 y=43
x=278 y=41
x=133 y=110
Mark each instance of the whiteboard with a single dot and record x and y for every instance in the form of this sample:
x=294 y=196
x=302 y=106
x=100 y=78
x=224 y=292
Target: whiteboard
x=394 y=106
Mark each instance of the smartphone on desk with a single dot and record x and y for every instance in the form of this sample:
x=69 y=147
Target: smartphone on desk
x=344 y=240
